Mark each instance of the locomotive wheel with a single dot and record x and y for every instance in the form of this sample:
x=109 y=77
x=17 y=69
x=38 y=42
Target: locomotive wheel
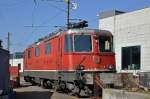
x=40 y=83
x=88 y=91
x=76 y=90
x=44 y=84
x=62 y=85
x=26 y=79
x=49 y=84
x=32 y=81
x=82 y=92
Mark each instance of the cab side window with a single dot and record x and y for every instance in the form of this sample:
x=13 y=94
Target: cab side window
x=105 y=44
x=37 y=51
x=29 y=54
x=48 y=48
x=68 y=43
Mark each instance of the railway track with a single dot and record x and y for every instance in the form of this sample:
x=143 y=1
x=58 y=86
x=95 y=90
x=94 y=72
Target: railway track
x=28 y=91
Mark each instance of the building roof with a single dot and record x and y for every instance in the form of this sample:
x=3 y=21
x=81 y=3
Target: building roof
x=107 y=14
x=111 y=13
x=16 y=55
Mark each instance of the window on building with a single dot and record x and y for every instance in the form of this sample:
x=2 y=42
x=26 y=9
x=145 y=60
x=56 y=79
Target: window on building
x=82 y=43
x=47 y=48
x=131 y=57
x=37 y=51
x=29 y=53
x=105 y=44
x=68 y=43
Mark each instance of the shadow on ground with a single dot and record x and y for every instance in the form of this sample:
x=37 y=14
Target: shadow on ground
x=34 y=95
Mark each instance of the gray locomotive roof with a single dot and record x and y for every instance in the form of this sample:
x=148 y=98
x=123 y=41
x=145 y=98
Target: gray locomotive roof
x=96 y=31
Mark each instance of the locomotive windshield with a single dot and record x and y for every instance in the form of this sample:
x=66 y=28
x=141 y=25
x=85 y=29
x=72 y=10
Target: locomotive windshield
x=68 y=43
x=78 y=43
x=105 y=44
x=82 y=43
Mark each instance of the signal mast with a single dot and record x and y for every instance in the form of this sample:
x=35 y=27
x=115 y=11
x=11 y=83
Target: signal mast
x=80 y=24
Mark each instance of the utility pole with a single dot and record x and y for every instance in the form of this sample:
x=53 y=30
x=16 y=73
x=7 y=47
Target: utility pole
x=8 y=46
x=68 y=14
x=8 y=41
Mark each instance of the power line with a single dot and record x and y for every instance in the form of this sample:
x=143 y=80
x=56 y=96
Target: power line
x=51 y=19
x=54 y=6
x=33 y=12
x=66 y=11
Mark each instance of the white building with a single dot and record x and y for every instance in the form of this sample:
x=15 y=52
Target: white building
x=16 y=59
x=131 y=33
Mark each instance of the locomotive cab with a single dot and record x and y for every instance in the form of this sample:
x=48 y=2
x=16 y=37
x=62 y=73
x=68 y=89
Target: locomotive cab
x=105 y=48
x=87 y=52
x=91 y=49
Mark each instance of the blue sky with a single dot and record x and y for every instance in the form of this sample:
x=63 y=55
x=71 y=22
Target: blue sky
x=15 y=15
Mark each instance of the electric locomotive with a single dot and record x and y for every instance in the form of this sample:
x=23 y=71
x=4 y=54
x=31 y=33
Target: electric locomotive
x=69 y=58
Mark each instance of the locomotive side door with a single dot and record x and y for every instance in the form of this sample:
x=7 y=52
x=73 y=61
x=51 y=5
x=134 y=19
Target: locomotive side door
x=59 y=54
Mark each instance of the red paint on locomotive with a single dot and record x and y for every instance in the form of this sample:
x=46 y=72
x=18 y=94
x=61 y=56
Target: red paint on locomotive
x=60 y=60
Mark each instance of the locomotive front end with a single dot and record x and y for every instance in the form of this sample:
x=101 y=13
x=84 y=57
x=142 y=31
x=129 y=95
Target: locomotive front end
x=89 y=50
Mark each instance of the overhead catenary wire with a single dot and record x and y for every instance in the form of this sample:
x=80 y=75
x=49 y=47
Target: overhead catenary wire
x=58 y=8
x=52 y=5
x=40 y=25
x=66 y=11
x=44 y=22
x=51 y=19
x=33 y=12
x=61 y=10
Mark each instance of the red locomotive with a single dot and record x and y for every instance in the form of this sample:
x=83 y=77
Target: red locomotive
x=70 y=58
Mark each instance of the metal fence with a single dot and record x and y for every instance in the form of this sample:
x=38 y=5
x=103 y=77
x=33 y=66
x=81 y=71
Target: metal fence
x=144 y=79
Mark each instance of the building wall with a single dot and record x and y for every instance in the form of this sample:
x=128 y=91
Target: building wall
x=4 y=71
x=122 y=94
x=15 y=62
x=107 y=23
x=130 y=29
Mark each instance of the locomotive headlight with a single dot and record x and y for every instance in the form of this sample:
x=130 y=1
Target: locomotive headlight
x=110 y=67
x=81 y=67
